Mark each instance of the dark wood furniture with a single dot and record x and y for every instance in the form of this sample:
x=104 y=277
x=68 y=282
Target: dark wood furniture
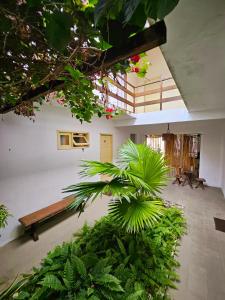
x=178 y=179
x=200 y=183
x=31 y=221
x=187 y=178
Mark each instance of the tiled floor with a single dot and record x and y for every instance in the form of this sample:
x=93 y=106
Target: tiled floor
x=202 y=251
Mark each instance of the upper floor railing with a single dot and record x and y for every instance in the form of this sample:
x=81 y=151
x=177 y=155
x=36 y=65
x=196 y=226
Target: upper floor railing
x=151 y=96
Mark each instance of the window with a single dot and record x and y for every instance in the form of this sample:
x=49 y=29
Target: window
x=64 y=140
x=80 y=139
x=71 y=140
x=155 y=142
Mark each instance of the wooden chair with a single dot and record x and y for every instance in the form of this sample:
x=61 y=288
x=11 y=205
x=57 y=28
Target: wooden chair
x=200 y=183
x=178 y=176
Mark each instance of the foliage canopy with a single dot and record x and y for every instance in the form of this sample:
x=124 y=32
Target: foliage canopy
x=40 y=38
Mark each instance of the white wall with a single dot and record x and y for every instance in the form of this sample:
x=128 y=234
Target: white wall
x=32 y=170
x=223 y=166
x=212 y=131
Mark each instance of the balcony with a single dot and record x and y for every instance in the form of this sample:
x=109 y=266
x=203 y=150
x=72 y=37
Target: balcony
x=162 y=94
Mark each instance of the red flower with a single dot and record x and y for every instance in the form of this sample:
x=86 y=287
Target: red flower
x=135 y=59
x=108 y=117
x=135 y=69
x=108 y=109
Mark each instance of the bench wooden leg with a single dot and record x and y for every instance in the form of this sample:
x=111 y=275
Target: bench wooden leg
x=34 y=234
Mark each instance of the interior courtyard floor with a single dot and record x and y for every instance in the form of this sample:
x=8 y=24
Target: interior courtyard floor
x=201 y=254
x=202 y=250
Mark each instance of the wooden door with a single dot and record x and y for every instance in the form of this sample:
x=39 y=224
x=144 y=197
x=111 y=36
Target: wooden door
x=106 y=151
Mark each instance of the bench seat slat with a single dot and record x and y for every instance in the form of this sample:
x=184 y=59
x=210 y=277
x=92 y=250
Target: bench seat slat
x=46 y=212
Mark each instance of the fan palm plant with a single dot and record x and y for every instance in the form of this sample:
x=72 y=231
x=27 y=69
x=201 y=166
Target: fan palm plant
x=135 y=183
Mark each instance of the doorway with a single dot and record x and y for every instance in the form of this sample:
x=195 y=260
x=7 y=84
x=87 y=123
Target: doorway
x=182 y=151
x=106 y=151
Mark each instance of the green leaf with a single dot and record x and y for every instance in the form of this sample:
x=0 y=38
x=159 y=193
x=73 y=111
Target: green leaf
x=164 y=7
x=68 y=274
x=76 y=74
x=130 y=7
x=79 y=265
x=107 y=8
x=52 y=282
x=121 y=246
x=23 y=295
x=111 y=282
x=90 y=291
x=5 y=24
x=58 y=31
x=159 y=9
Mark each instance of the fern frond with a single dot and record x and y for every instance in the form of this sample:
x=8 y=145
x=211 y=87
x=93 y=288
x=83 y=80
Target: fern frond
x=79 y=265
x=52 y=282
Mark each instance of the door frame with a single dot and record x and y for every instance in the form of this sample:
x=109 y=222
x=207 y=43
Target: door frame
x=108 y=134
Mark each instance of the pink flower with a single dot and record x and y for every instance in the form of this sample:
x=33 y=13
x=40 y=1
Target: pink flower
x=60 y=101
x=85 y=2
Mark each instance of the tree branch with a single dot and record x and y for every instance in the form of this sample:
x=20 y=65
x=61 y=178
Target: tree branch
x=148 y=39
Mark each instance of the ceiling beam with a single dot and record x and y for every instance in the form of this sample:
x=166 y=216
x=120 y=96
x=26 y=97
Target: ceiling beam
x=148 y=39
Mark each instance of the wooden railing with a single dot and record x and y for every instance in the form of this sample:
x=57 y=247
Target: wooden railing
x=123 y=94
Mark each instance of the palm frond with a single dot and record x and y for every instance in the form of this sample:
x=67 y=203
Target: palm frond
x=92 y=168
x=89 y=191
x=127 y=153
x=146 y=164
x=137 y=214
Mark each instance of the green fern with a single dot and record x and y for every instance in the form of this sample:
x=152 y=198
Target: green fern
x=68 y=277
x=52 y=282
x=79 y=265
x=110 y=282
x=101 y=270
x=40 y=293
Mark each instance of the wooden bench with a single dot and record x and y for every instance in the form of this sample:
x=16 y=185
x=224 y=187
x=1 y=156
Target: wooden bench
x=31 y=221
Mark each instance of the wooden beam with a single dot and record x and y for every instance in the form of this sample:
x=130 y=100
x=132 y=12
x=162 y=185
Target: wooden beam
x=164 y=100
x=122 y=88
x=109 y=93
x=148 y=39
x=151 y=82
x=127 y=82
x=155 y=91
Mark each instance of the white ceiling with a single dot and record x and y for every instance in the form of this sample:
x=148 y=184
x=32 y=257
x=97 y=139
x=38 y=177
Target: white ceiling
x=195 y=52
